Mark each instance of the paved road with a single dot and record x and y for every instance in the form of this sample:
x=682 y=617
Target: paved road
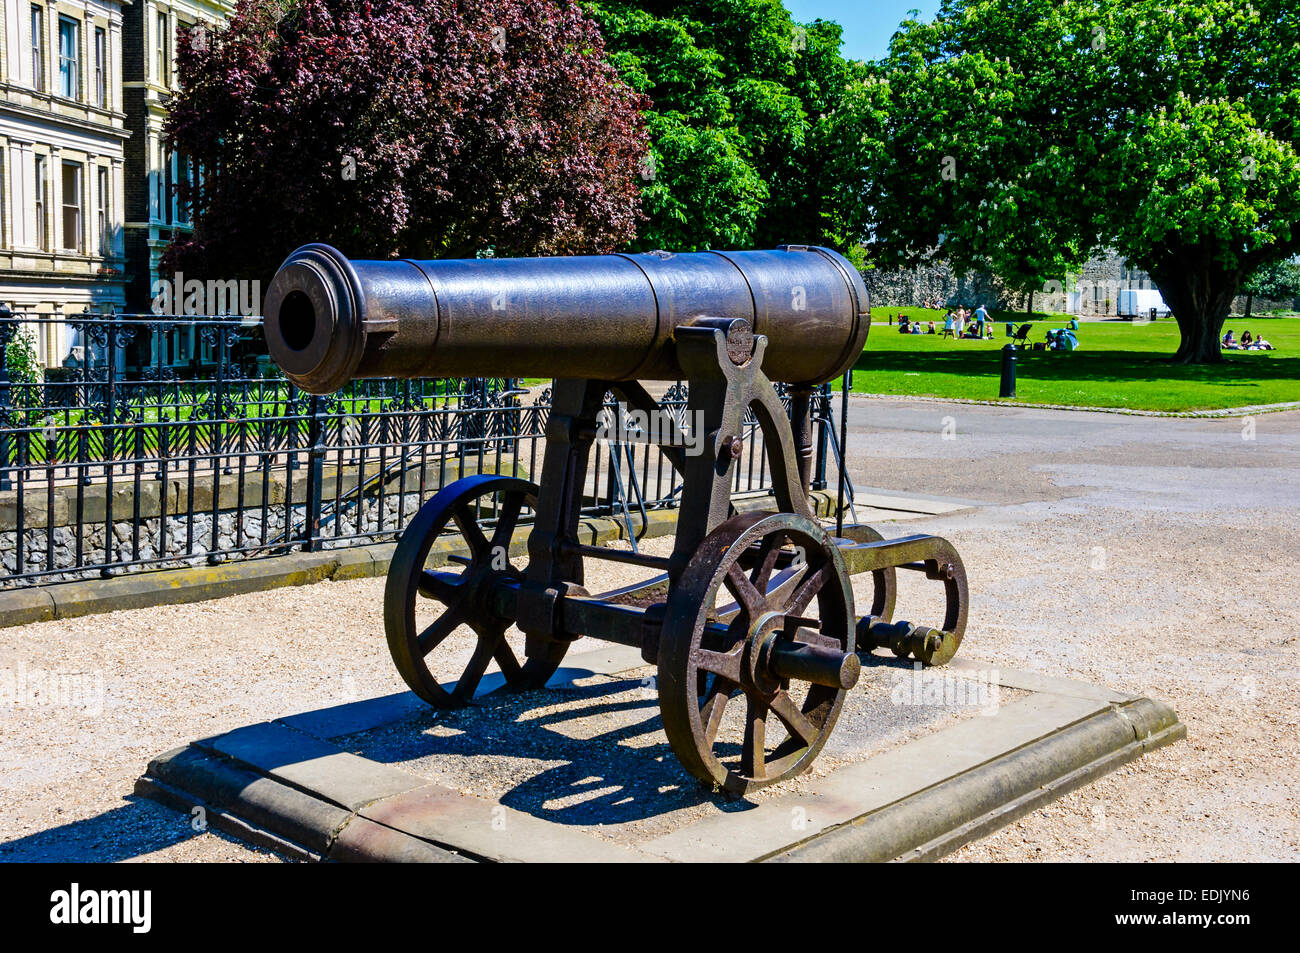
x=1008 y=455
x=1152 y=554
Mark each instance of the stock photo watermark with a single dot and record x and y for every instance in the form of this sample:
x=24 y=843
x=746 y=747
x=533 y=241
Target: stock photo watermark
x=664 y=428
x=29 y=688
x=181 y=296
x=923 y=687
x=76 y=905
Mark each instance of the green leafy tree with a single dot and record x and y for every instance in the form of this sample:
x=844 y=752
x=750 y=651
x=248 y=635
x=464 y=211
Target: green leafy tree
x=744 y=144
x=21 y=360
x=1277 y=280
x=1025 y=135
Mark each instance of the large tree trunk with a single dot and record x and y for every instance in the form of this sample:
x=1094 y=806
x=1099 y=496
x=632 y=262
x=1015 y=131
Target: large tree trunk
x=1200 y=296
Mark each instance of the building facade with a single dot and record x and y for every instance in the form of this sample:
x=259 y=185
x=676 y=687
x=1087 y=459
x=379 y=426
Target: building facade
x=1097 y=290
x=62 y=162
x=154 y=214
x=89 y=191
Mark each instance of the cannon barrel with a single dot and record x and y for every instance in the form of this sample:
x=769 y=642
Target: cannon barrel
x=608 y=317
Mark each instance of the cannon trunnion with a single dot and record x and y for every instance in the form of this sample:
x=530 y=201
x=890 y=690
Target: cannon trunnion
x=751 y=621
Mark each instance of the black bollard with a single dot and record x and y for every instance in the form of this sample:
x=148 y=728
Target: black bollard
x=1008 y=371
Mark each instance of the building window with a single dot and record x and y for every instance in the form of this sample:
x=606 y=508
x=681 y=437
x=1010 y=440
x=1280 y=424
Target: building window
x=164 y=51
x=101 y=212
x=160 y=188
x=38 y=48
x=42 y=202
x=184 y=183
x=72 y=206
x=101 y=67
x=69 y=57
x=169 y=190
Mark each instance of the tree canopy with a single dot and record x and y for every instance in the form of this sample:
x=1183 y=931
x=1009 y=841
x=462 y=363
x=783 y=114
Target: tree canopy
x=1278 y=280
x=1025 y=135
x=744 y=142
x=420 y=128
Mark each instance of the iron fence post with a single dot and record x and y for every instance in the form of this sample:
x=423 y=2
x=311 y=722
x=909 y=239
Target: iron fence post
x=801 y=427
x=315 y=472
x=841 y=476
x=110 y=385
x=825 y=418
x=216 y=336
x=8 y=327
x=291 y=427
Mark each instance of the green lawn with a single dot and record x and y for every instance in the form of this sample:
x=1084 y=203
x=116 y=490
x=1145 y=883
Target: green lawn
x=1118 y=365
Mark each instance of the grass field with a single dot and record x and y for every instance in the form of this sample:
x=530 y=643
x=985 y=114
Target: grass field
x=1118 y=365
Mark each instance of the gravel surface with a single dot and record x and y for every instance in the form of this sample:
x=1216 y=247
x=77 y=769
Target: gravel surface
x=1154 y=556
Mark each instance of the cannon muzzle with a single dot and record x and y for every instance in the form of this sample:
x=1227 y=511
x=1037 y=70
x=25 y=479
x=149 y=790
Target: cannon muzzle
x=608 y=317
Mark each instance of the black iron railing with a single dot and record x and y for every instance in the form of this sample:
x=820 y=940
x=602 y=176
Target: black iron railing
x=168 y=441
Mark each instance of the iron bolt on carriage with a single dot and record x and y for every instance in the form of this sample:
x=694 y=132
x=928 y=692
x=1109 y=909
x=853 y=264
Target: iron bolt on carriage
x=756 y=609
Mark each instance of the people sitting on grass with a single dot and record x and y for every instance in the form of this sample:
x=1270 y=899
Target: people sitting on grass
x=1248 y=342
x=1061 y=339
x=916 y=327
x=903 y=324
x=931 y=330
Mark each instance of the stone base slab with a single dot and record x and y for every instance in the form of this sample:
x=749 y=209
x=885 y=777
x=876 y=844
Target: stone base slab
x=288 y=785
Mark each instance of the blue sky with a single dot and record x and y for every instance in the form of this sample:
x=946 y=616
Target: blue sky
x=868 y=24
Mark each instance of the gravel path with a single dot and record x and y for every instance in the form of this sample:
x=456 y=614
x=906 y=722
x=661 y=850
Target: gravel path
x=1152 y=555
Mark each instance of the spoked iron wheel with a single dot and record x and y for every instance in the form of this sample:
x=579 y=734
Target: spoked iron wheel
x=754 y=665
x=424 y=606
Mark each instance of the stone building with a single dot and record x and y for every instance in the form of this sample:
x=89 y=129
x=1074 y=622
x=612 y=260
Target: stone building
x=88 y=189
x=1099 y=289
x=1095 y=290
x=153 y=213
x=62 y=130
x=924 y=285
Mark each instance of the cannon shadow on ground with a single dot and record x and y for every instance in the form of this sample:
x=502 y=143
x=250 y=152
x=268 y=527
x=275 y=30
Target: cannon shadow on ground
x=587 y=750
x=585 y=753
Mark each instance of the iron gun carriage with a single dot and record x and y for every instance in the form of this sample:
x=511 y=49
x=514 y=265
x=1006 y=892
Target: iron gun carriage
x=752 y=611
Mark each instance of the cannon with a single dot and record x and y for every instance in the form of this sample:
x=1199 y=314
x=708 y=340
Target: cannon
x=751 y=620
